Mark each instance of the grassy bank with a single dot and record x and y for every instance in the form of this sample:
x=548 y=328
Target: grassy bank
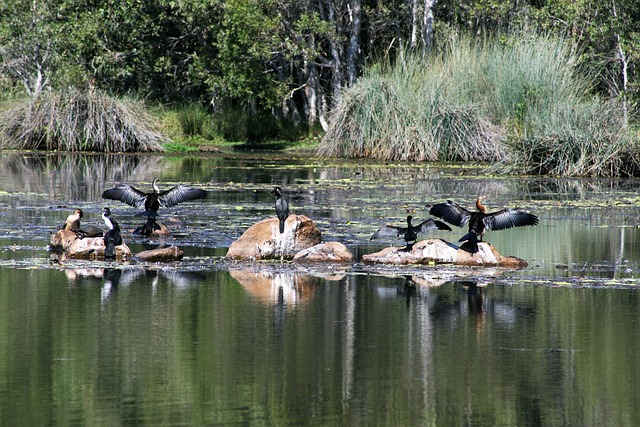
x=91 y=120
x=75 y=120
x=522 y=105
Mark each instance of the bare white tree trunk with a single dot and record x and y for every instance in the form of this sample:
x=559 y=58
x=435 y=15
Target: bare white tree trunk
x=353 y=53
x=415 y=24
x=28 y=56
x=427 y=24
x=620 y=56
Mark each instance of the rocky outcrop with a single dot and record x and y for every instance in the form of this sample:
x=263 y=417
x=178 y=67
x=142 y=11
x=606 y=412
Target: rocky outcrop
x=264 y=241
x=325 y=252
x=62 y=239
x=171 y=253
x=438 y=251
x=88 y=248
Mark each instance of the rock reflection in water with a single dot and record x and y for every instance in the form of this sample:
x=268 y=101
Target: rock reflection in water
x=278 y=287
x=454 y=301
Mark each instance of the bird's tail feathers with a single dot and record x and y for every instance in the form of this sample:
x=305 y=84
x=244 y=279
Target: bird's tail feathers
x=110 y=250
x=470 y=242
x=441 y=225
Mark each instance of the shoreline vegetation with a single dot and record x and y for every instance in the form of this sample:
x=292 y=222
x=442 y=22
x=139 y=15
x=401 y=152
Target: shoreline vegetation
x=523 y=106
x=520 y=106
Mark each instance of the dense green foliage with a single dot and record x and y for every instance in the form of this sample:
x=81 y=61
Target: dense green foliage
x=268 y=69
x=290 y=58
x=521 y=104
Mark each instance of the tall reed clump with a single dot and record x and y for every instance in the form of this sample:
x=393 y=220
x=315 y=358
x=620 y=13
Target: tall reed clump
x=554 y=123
x=75 y=120
x=521 y=104
x=407 y=111
x=193 y=119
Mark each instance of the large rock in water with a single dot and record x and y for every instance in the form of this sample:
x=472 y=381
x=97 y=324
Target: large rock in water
x=325 y=252
x=437 y=251
x=87 y=248
x=170 y=253
x=264 y=241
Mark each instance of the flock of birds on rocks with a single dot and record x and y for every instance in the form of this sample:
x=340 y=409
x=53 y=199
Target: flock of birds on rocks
x=479 y=221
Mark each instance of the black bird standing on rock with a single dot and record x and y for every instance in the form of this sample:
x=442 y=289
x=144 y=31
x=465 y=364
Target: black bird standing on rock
x=154 y=199
x=410 y=232
x=148 y=228
x=112 y=237
x=481 y=221
x=282 y=208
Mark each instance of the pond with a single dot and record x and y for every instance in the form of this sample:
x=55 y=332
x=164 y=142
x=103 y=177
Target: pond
x=205 y=341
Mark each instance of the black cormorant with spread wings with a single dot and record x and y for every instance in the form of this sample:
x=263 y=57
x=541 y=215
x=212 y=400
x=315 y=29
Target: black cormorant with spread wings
x=154 y=199
x=481 y=221
x=410 y=232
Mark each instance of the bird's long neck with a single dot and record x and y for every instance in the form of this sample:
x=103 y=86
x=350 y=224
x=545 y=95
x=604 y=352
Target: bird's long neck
x=154 y=185
x=480 y=206
x=409 y=218
x=107 y=222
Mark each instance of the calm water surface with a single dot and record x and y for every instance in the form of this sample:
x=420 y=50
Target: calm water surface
x=206 y=342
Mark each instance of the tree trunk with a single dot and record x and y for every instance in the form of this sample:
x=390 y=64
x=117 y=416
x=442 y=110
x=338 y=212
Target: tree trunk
x=428 y=24
x=354 y=41
x=415 y=24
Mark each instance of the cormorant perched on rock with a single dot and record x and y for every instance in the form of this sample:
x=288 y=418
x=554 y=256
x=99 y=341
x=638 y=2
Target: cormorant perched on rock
x=282 y=208
x=154 y=199
x=148 y=228
x=112 y=237
x=72 y=223
x=410 y=232
x=480 y=221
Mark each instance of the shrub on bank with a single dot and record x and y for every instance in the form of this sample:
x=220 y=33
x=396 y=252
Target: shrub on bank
x=520 y=104
x=75 y=120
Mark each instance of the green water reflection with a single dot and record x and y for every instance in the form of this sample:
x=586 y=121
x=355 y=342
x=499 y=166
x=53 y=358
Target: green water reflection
x=202 y=342
x=244 y=347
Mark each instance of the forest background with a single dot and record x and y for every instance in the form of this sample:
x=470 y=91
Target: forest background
x=255 y=71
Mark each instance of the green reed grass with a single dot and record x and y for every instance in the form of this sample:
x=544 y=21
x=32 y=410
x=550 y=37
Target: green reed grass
x=193 y=120
x=75 y=120
x=521 y=104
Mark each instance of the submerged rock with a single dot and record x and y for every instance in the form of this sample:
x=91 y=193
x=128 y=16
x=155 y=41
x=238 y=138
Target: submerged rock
x=263 y=240
x=86 y=248
x=325 y=252
x=438 y=251
x=171 y=253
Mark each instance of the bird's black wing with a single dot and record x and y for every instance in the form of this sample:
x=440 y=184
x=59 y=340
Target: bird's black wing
x=389 y=231
x=430 y=224
x=126 y=194
x=451 y=212
x=179 y=194
x=509 y=217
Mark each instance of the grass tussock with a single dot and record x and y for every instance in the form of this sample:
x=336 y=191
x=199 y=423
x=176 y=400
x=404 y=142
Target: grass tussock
x=521 y=104
x=193 y=120
x=404 y=112
x=74 y=120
